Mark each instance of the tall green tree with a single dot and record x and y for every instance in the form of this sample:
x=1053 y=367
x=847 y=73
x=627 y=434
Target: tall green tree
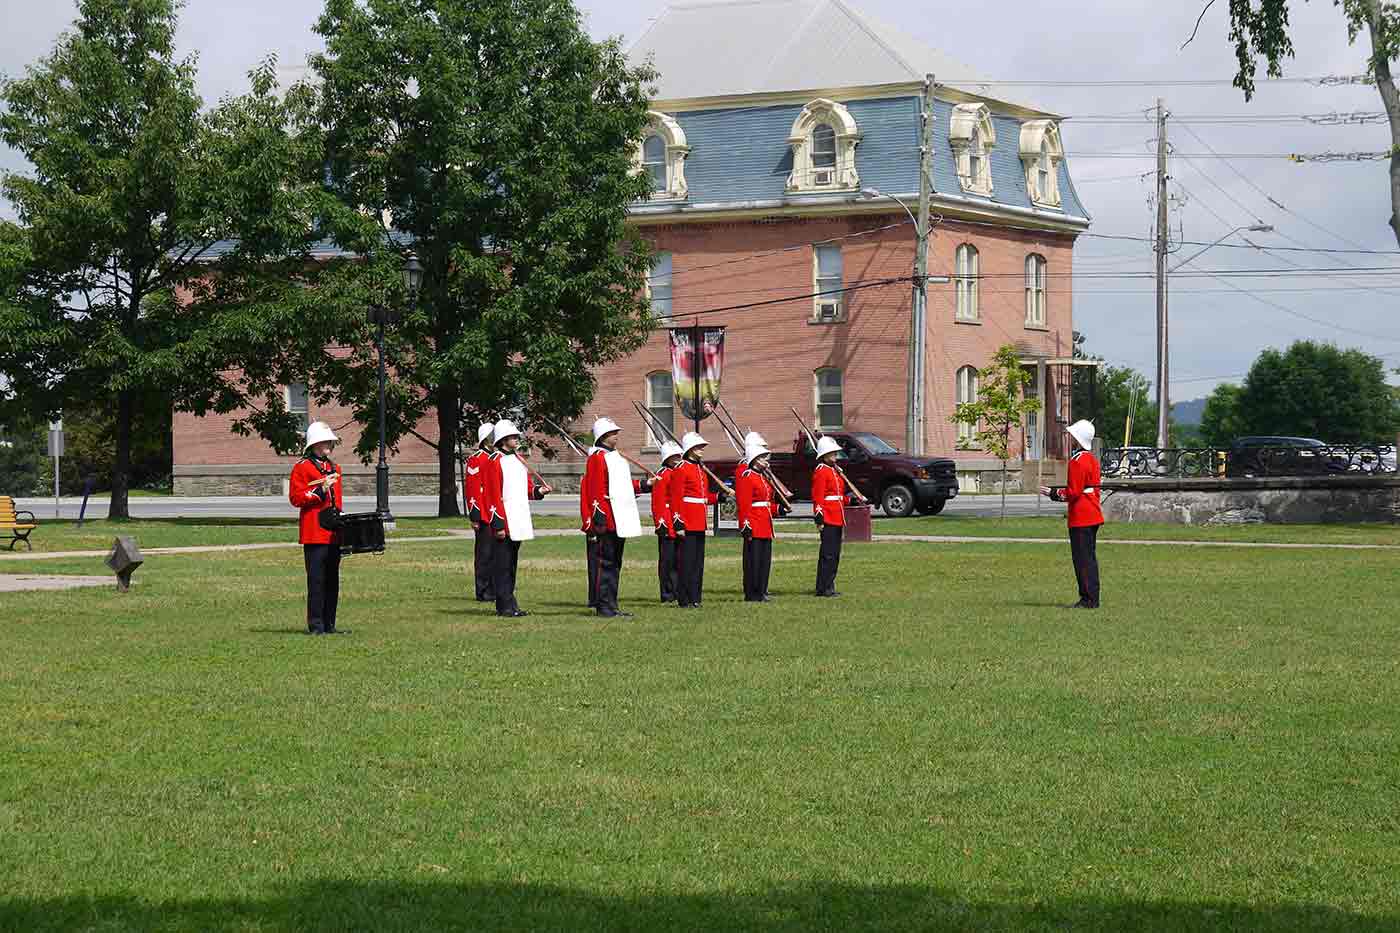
x=104 y=292
x=1221 y=422
x=1000 y=407
x=1260 y=28
x=495 y=140
x=1116 y=393
x=1318 y=390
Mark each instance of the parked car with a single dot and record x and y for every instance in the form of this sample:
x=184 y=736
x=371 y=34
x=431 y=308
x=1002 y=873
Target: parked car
x=898 y=483
x=1266 y=455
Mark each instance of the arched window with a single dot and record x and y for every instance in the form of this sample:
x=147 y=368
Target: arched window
x=1035 y=290
x=1041 y=154
x=654 y=161
x=662 y=153
x=829 y=400
x=661 y=403
x=968 y=270
x=823 y=140
x=972 y=134
x=298 y=401
x=659 y=286
x=966 y=395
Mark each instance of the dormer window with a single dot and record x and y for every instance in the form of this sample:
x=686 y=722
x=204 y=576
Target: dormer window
x=1041 y=154
x=972 y=136
x=823 y=141
x=661 y=154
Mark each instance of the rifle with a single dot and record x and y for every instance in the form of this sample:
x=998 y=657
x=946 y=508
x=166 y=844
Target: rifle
x=660 y=430
x=842 y=473
x=577 y=448
x=783 y=492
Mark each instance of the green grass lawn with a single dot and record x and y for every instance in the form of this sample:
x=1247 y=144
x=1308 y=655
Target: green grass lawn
x=1054 y=527
x=942 y=748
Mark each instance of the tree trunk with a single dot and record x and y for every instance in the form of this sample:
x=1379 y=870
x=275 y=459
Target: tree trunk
x=1385 y=83
x=121 y=468
x=1003 y=490
x=449 y=416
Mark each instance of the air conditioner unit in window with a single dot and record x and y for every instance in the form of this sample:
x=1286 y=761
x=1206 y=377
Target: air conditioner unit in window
x=828 y=310
x=823 y=177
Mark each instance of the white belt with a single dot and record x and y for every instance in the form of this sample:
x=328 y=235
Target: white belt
x=757 y=504
x=693 y=500
x=834 y=498
x=1088 y=489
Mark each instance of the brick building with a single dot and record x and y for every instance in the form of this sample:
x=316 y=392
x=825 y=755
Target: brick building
x=774 y=124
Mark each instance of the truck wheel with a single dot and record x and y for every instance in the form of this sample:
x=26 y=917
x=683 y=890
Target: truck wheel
x=898 y=501
x=932 y=507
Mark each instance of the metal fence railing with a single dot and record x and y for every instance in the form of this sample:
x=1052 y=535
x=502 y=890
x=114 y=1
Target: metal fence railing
x=1244 y=461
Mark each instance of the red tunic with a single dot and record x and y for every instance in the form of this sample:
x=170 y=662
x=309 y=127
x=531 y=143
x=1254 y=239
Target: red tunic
x=491 y=490
x=829 y=495
x=471 y=485
x=690 y=493
x=303 y=497
x=593 y=497
x=1081 y=491
x=661 y=515
x=755 y=499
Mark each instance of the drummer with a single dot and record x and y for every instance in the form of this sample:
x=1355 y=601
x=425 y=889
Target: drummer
x=315 y=487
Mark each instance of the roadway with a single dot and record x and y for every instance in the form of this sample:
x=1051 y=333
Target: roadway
x=1017 y=505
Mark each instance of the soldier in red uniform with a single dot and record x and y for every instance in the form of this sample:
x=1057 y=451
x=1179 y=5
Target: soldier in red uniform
x=1084 y=514
x=508 y=487
x=663 y=516
x=829 y=512
x=474 y=498
x=754 y=495
x=690 y=493
x=315 y=486
x=608 y=505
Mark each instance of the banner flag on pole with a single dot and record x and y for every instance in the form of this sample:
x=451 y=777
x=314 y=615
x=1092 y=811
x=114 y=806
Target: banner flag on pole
x=683 y=369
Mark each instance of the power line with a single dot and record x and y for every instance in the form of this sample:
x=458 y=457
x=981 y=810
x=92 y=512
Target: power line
x=1322 y=80
x=879 y=283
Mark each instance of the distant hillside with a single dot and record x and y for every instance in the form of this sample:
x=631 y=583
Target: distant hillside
x=1188 y=412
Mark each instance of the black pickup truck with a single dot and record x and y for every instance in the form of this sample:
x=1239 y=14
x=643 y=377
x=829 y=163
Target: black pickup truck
x=896 y=482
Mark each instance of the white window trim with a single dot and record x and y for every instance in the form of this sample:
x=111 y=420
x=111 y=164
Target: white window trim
x=817 y=399
x=669 y=283
x=969 y=123
x=653 y=441
x=967 y=284
x=818 y=300
x=1037 y=290
x=967 y=430
x=803 y=176
x=677 y=149
x=1034 y=133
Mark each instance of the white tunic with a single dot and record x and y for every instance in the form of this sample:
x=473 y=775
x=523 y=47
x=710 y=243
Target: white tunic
x=624 y=501
x=515 y=494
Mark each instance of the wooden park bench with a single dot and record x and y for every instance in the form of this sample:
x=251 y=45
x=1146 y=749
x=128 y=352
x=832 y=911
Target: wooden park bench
x=10 y=523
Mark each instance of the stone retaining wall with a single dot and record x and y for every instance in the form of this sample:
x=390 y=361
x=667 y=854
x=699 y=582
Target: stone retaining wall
x=1258 y=500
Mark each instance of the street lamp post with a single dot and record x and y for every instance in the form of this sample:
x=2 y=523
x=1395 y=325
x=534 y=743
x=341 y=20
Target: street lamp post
x=1163 y=375
x=380 y=316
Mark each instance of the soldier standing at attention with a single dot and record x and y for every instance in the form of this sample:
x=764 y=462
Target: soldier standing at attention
x=663 y=516
x=315 y=486
x=509 y=487
x=472 y=492
x=608 y=502
x=690 y=494
x=1084 y=514
x=829 y=512
x=755 y=501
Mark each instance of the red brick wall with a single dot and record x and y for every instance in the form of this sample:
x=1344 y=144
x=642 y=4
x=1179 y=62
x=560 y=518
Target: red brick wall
x=772 y=352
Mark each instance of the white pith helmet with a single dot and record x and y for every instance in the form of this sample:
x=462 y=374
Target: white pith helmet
x=752 y=438
x=319 y=431
x=754 y=451
x=503 y=430
x=692 y=441
x=484 y=432
x=1083 y=432
x=603 y=427
x=668 y=450
x=827 y=445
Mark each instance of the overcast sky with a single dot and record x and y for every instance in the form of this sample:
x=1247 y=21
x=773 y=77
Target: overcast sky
x=1216 y=331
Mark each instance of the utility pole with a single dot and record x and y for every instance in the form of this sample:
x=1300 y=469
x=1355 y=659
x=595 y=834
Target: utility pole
x=921 y=230
x=1163 y=359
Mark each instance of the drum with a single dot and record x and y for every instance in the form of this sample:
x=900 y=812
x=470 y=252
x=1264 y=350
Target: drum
x=360 y=533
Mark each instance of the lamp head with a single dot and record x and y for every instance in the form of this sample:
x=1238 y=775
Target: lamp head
x=1261 y=228
x=412 y=274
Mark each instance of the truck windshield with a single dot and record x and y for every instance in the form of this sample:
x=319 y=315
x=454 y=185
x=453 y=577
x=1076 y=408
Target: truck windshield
x=873 y=443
